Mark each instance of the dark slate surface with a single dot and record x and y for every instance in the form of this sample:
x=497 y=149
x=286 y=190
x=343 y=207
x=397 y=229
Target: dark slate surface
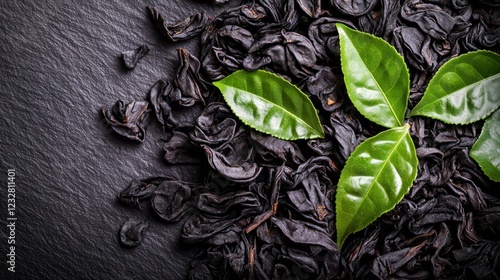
x=59 y=63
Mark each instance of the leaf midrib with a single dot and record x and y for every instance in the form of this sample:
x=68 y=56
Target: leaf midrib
x=378 y=173
x=451 y=94
x=376 y=83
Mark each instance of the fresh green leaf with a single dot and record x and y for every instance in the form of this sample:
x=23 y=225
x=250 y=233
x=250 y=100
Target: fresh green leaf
x=375 y=178
x=376 y=77
x=464 y=90
x=486 y=150
x=271 y=104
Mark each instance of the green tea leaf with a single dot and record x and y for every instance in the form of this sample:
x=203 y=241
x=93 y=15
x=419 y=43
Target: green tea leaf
x=376 y=77
x=464 y=90
x=375 y=178
x=486 y=150
x=271 y=104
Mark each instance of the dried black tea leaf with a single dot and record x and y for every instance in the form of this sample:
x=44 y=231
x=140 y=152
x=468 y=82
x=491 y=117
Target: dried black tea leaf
x=478 y=261
x=130 y=120
x=283 y=14
x=204 y=228
x=385 y=265
x=188 y=80
x=215 y=127
x=231 y=167
x=180 y=150
x=430 y=18
x=167 y=102
x=347 y=131
x=169 y=200
x=382 y=19
x=282 y=52
x=132 y=57
x=179 y=30
x=325 y=38
x=354 y=7
x=228 y=47
x=132 y=232
x=303 y=233
x=417 y=48
x=312 y=8
x=249 y=16
x=276 y=150
x=140 y=190
x=326 y=88
x=158 y=97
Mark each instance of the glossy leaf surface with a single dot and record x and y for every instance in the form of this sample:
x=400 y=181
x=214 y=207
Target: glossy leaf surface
x=271 y=104
x=375 y=75
x=464 y=90
x=376 y=176
x=486 y=150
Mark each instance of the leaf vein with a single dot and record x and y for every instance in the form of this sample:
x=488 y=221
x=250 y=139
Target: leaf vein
x=466 y=87
x=298 y=118
x=379 y=172
x=378 y=85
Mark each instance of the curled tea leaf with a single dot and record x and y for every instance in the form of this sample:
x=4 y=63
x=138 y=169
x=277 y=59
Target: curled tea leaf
x=129 y=120
x=132 y=232
x=132 y=57
x=179 y=30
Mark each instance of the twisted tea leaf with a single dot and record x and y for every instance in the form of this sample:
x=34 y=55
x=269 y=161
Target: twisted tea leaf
x=464 y=89
x=375 y=178
x=282 y=52
x=180 y=150
x=271 y=104
x=312 y=8
x=132 y=57
x=181 y=29
x=430 y=18
x=354 y=7
x=233 y=169
x=169 y=200
x=129 y=120
x=376 y=76
x=140 y=190
x=486 y=150
x=132 y=232
x=303 y=233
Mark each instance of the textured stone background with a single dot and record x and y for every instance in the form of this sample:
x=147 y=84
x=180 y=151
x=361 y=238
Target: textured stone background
x=59 y=63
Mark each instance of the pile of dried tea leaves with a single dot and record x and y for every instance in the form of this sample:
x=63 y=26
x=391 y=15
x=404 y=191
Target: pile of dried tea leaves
x=265 y=207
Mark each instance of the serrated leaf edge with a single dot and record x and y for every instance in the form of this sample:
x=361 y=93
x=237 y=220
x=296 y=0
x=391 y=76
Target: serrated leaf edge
x=474 y=148
x=404 y=135
x=385 y=97
x=320 y=134
x=417 y=107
